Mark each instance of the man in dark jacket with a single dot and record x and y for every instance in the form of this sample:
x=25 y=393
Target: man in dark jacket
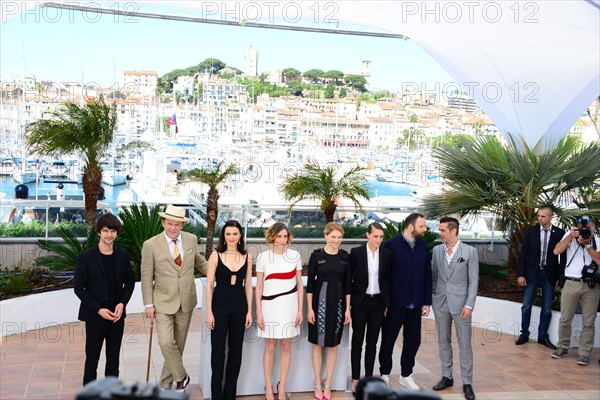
x=410 y=297
x=104 y=283
x=370 y=298
x=539 y=267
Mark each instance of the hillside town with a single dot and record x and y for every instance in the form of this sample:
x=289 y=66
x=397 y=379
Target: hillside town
x=213 y=106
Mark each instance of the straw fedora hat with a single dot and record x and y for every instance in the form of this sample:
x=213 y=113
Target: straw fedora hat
x=174 y=213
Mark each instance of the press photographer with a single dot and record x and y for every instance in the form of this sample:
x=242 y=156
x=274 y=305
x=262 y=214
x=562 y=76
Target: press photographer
x=579 y=287
x=374 y=388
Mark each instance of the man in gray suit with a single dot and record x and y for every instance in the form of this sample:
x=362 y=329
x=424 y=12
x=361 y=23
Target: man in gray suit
x=455 y=278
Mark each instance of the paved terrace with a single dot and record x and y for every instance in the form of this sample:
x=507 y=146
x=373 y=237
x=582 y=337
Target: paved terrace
x=48 y=364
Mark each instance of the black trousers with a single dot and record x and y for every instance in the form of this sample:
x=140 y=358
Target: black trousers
x=95 y=335
x=229 y=329
x=410 y=321
x=368 y=316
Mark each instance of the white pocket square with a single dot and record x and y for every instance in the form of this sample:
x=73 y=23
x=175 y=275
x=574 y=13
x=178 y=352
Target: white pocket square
x=189 y=251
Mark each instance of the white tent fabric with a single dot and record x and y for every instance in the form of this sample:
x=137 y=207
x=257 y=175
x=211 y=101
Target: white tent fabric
x=533 y=67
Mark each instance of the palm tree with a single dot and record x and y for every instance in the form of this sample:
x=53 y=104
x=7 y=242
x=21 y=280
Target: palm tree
x=510 y=180
x=84 y=130
x=414 y=119
x=211 y=177
x=321 y=184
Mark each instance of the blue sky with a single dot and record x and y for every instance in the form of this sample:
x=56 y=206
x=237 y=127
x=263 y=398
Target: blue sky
x=59 y=45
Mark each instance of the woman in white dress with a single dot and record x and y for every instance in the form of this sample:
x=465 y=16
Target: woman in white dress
x=279 y=301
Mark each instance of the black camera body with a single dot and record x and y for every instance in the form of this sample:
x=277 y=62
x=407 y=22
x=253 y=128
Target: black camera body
x=373 y=388
x=111 y=387
x=591 y=274
x=584 y=231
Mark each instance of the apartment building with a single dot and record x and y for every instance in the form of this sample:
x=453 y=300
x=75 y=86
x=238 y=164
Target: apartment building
x=140 y=83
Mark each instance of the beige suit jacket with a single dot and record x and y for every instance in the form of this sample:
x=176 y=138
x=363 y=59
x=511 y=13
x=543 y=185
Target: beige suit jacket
x=164 y=284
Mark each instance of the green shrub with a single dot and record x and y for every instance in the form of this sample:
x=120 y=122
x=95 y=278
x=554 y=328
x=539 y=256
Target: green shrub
x=17 y=279
x=37 y=229
x=63 y=256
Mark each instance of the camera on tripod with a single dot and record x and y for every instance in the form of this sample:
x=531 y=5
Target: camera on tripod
x=584 y=231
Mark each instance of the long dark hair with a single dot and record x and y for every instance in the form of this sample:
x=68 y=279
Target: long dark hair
x=222 y=246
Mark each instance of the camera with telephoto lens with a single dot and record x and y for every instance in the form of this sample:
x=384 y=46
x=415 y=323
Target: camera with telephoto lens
x=585 y=232
x=373 y=388
x=111 y=387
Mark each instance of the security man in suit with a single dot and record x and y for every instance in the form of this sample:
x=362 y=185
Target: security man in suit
x=370 y=298
x=104 y=283
x=539 y=267
x=169 y=290
x=455 y=280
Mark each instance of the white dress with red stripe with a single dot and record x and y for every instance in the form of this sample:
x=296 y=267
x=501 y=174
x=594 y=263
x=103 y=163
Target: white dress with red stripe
x=280 y=293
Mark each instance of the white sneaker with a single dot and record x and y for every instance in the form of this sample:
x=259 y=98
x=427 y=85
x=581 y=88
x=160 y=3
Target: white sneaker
x=386 y=379
x=409 y=382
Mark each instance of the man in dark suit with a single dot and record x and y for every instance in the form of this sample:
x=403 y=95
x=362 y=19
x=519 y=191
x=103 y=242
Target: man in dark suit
x=539 y=267
x=410 y=298
x=370 y=298
x=104 y=282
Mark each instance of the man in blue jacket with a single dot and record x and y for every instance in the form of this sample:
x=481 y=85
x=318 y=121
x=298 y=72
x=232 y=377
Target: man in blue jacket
x=410 y=297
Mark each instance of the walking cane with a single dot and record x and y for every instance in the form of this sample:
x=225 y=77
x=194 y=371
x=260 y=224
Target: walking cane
x=149 y=350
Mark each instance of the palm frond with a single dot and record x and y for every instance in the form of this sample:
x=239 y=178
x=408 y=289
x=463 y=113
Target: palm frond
x=63 y=256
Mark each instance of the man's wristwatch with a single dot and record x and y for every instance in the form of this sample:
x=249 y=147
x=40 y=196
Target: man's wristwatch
x=588 y=246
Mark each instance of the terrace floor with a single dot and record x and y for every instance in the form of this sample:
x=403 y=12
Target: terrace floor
x=48 y=364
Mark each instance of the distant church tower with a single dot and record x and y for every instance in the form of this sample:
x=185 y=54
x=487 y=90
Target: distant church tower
x=251 y=62
x=366 y=72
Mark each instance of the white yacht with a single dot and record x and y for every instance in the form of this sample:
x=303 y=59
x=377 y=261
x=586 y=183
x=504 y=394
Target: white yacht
x=114 y=176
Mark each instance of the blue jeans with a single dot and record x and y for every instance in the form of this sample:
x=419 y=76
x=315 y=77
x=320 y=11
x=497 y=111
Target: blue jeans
x=540 y=280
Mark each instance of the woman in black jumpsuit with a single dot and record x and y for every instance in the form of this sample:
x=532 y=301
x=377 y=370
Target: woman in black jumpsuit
x=228 y=307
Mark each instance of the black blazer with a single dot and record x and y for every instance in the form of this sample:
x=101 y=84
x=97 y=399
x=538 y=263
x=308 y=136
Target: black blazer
x=531 y=251
x=360 y=274
x=91 y=283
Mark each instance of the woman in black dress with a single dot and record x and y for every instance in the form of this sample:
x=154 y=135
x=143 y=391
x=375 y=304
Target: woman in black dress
x=228 y=307
x=328 y=299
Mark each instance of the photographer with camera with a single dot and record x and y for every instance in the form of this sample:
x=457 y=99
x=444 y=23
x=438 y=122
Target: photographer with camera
x=579 y=286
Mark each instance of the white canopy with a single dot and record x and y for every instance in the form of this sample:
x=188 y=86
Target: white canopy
x=533 y=67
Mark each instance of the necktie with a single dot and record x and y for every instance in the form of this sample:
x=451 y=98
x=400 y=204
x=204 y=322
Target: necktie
x=176 y=254
x=544 y=248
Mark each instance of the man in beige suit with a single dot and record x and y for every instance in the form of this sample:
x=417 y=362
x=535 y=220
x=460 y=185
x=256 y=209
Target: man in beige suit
x=169 y=290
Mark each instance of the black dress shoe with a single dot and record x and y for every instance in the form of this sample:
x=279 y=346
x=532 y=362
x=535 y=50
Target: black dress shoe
x=443 y=383
x=522 y=340
x=468 y=391
x=546 y=342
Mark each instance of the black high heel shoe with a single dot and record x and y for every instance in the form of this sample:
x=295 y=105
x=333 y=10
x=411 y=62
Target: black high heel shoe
x=287 y=396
